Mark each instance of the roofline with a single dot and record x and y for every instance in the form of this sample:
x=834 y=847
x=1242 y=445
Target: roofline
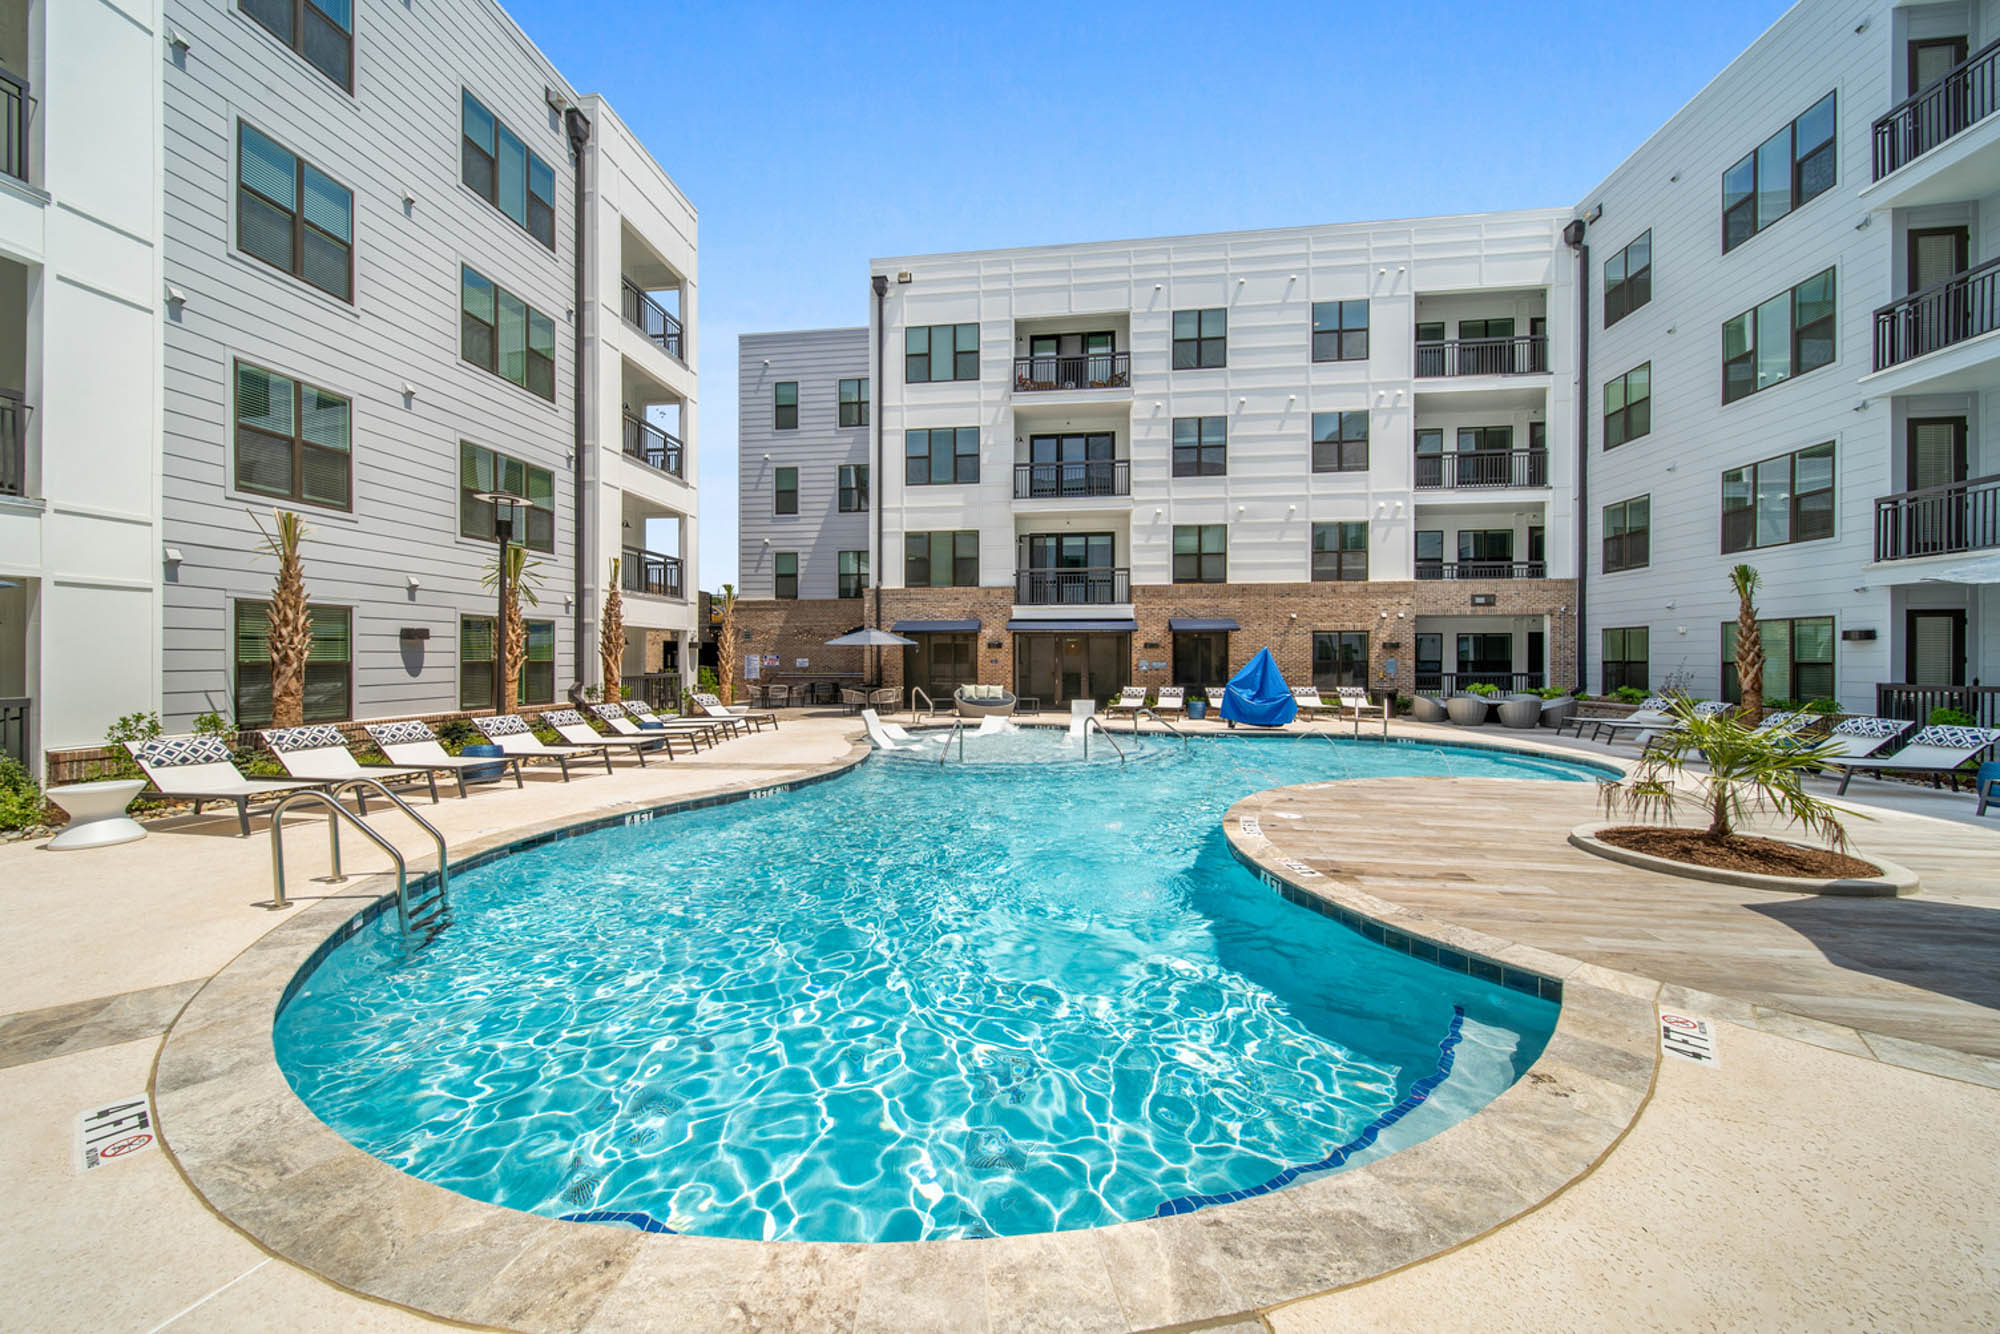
x=605 y=104
x=800 y=333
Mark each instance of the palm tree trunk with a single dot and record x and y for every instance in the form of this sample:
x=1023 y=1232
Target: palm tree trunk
x=290 y=625
x=611 y=642
x=725 y=647
x=513 y=634
x=1749 y=647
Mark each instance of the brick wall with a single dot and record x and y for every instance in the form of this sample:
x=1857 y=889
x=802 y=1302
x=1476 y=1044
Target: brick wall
x=794 y=629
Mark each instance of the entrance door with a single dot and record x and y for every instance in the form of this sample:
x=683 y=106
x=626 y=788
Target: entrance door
x=1946 y=111
x=1934 y=648
x=1934 y=457
x=1340 y=658
x=1430 y=662
x=1201 y=658
x=941 y=662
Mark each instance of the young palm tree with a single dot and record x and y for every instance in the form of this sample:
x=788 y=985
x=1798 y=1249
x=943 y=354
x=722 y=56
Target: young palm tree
x=725 y=646
x=611 y=640
x=290 y=630
x=523 y=578
x=1749 y=645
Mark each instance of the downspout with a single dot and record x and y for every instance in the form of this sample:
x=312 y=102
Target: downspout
x=578 y=126
x=875 y=479
x=1573 y=234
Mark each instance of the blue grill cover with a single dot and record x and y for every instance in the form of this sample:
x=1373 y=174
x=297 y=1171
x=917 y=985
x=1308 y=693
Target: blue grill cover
x=1258 y=695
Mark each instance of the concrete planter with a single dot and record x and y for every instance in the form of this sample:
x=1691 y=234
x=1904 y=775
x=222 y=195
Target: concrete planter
x=1894 y=881
x=1426 y=709
x=1521 y=712
x=1468 y=710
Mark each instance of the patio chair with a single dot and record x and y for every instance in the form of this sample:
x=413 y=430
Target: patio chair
x=198 y=769
x=511 y=733
x=413 y=745
x=1309 y=702
x=1214 y=694
x=320 y=752
x=1130 y=700
x=571 y=727
x=777 y=696
x=1655 y=706
x=715 y=708
x=699 y=732
x=1651 y=720
x=1173 y=699
x=1937 y=751
x=1354 y=700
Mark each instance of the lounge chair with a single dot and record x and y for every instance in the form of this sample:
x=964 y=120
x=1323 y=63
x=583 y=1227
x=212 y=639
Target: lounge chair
x=1309 y=702
x=413 y=745
x=715 y=708
x=1651 y=733
x=1937 y=751
x=511 y=733
x=1214 y=694
x=1130 y=700
x=319 y=753
x=1081 y=711
x=648 y=721
x=980 y=701
x=887 y=736
x=571 y=727
x=1656 y=707
x=699 y=732
x=1173 y=699
x=198 y=769
x=1651 y=720
x=1354 y=700
x=1864 y=735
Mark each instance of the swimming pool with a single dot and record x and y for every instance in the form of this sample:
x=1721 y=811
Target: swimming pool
x=1019 y=994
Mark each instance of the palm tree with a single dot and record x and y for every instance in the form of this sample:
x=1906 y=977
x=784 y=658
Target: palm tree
x=611 y=640
x=523 y=577
x=725 y=646
x=1749 y=645
x=290 y=616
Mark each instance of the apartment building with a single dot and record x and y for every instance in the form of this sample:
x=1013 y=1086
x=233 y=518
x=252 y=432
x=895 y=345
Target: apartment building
x=1140 y=462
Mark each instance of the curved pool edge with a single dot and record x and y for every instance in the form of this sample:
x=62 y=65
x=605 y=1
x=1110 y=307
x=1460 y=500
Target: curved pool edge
x=260 y=1159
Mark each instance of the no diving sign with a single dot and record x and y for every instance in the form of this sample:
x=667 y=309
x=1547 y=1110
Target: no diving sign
x=1689 y=1038
x=116 y=1130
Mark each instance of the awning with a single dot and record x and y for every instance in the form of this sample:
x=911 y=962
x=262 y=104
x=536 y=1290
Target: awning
x=1075 y=627
x=1187 y=623
x=935 y=627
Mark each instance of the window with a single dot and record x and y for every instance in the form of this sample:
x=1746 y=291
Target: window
x=537 y=684
x=853 y=573
x=1788 y=335
x=292 y=215
x=1628 y=534
x=1792 y=166
x=941 y=560
x=941 y=457
x=505 y=172
x=481 y=469
x=1340 y=330
x=1340 y=441
x=1485 y=553
x=1628 y=406
x=934 y=352
x=1201 y=339
x=854 y=402
x=788 y=491
x=853 y=487
x=501 y=333
x=1201 y=553
x=1781 y=500
x=1340 y=658
x=292 y=440
x=1485 y=439
x=785 y=405
x=1201 y=446
x=329 y=664
x=322 y=31
x=1798 y=659
x=1340 y=551
x=1625 y=651
x=1628 y=279
x=786 y=582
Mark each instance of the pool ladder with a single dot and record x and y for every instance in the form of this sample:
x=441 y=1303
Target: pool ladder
x=930 y=705
x=944 y=751
x=428 y=915
x=1092 y=722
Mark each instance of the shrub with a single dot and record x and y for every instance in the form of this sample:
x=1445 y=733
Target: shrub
x=1950 y=718
x=1484 y=689
x=1404 y=704
x=457 y=734
x=213 y=723
x=1629 y=695
x=1782 y=705
x=1549 y=692
x=21 y=802
x=1825 y=708
x=705 y=682
x=132 y=727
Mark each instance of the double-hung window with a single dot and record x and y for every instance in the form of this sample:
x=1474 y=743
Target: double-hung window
x=485 y=470
x=292 y=215
x=1340 y=330
x=1201 y=339
x=941 y=457
x=1779 y=501
x=1791 y=167
x=1339 y=552
x=293 y=441
x=787 y=491
x=502 y=333
x=1628 y=406
x=785 y=580
x=1628 y=534
x=1788 y=335
x=785 y=405
x=1628 y=279
x=1201 y=553
x=854 y=402
x=476 y=663
x=853 y=573
x=853 y=488
x=933 y=352
x=944 y=559
x=505 y=172
x=329 y=664
x=1798 y=659
x=1201 y=446
x=1340 y=441
x=1624 y=656
x=321 y=31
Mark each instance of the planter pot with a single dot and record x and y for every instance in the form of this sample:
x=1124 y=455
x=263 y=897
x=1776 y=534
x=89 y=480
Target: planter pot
x=1425 y=709
x=1521 y=711
x=1197 y=708
x=484 y=773
x=1556 y=712
x=1467 y=710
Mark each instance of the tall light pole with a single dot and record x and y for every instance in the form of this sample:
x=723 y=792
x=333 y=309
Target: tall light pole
x=504 y=504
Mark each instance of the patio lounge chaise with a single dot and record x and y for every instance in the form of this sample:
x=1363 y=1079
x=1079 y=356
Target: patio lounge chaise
x=320 y=752
x=1654 y=720
x=1173 y=699
x=1214 y=694
x=1130 y=700
x=978 y=701
x=1864 y=734
x=1655 y=707
x=571 y=727
x=1354 y=700
x=888 y=736
x=413 y=745
x=1652 y=733
x=1309 y=702
x=511 y=733
x=621 y=719
x=1081 y=711
x=715 y=708
x=1936 y=751
x=198 y=769
x=649 y=721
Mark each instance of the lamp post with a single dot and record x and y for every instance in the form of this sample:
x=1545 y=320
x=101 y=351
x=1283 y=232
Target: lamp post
x=504 y=504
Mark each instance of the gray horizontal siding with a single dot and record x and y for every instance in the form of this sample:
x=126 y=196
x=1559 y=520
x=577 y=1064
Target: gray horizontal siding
x=818 y=360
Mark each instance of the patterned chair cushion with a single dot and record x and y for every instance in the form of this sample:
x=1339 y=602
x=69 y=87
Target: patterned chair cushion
x=608 y=711
x=288 y=739
x=1709 y=708
x=171 y=752
x=505 y=725
x=1657 y=703
x=400 y=734
x=1870 y=727
x=563 y=718
x=1772 y=722
x=1955 y=738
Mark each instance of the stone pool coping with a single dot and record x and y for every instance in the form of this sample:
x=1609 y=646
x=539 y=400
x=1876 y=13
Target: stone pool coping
x=254 y=1153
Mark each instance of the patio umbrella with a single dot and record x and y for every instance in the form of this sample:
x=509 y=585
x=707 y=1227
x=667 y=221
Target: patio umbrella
x=870 y=637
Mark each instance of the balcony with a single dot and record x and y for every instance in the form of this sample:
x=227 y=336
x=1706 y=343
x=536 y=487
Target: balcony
x=1095 y=585
x=1900 y=699
x=1939 y=520
x=652 y=446
x=1062 y=481
x=1482 y=569
x=650 y=573
x=1913 y=127
x=1092 y=370
x=1486 y=469
x=1523 y=354
x=13 y=444
x=1961 y=307
x=1447 y=684
x=651 y=318
x=15 y=101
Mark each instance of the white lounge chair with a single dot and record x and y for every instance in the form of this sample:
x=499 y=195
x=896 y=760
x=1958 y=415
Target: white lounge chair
x=1308 y=700
x=1130 y=700
x=698 y=731
x=1081 y=711
x=993 y=724
x=1173 y=699
x=511 y=733
x=1215 y=694
x=1937 y=751
x=652 y=722
x=1656 y=706
x=715 y=708
x=1652 y=733
x=887 y=736
x=1654 y=714
x=571 y=727
x=1354 y=700
x=413 y=745
x=198 y=769
x=1864 y=735
x=319 y=753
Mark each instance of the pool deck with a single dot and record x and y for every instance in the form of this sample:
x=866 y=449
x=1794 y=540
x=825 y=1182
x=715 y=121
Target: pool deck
x=1840 y=1163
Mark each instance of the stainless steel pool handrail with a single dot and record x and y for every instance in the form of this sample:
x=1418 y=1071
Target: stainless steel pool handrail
x=1148 y=713
x=944 y=751
x=930 y=705
x=1091 y=722
x=443 y=854
x=335 y=813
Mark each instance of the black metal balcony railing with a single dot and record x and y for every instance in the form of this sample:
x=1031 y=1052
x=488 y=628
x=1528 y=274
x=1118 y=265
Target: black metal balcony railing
x=13 y=444
x=1085 y=586
x=660 y=691
x=1453 y=683
x=1482 y=569
x=1899 y=699
x=1963 y=306
x=14 y=729
x=652 y=446
x=1483 y=468
x=1523 y=354
x=650 y=573
x=1092 y=370
x=651 y=318
x=1095 y=477
x=14 y=104
x=1939 y=520
x=1932 y=115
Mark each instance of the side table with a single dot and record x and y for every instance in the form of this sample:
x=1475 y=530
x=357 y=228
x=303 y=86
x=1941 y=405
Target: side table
x=97 y=817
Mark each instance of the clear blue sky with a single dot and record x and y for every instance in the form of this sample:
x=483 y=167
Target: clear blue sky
x=813 y=137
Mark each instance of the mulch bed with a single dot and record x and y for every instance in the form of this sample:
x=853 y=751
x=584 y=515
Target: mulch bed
x=1740 y=852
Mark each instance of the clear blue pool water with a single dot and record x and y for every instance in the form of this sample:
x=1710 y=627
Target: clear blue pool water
x=1022 y=994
